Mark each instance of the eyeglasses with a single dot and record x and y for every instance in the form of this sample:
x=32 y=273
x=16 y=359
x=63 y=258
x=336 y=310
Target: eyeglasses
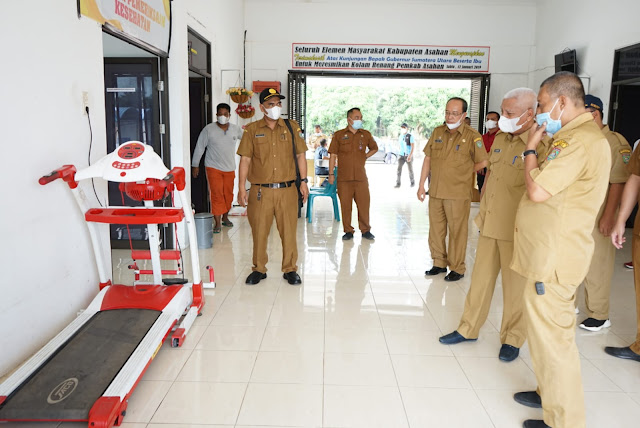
x=452 y=113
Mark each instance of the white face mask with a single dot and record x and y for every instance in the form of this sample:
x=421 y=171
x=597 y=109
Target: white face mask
x=491 y=124
x=274 y=112
x=510 y=125
x=222 y=120
x=403 y=130
x=454 y=125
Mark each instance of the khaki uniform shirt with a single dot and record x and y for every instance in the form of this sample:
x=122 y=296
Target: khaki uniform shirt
x=453 y=154
x=497 y=215
x=620 y=155
x=351 y=150
x=552 y=239
x=314 y=140
x=271 y=151
x=634 y=168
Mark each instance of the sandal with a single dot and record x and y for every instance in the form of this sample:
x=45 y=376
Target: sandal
x=227 y=223
x=217 y=230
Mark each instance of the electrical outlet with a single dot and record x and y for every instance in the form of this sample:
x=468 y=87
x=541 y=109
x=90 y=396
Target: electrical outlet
x=85 y=101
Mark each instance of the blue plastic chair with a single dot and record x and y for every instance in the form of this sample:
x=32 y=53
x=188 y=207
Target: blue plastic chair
x=330 y=191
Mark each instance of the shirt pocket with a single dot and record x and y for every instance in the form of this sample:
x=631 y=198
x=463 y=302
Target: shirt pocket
x=344 y=146
x=515 y=171
x=261 y=149
x=494 y=158
x=437 y=150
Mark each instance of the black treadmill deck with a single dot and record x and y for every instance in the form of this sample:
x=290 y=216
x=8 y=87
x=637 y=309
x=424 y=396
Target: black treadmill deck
x=67 y=386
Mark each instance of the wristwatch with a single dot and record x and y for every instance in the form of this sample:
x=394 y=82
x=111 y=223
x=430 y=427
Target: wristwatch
x=306 y=180
x=529 y=152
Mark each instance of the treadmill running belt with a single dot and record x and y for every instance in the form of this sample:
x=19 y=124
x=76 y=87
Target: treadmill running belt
x=67 y=386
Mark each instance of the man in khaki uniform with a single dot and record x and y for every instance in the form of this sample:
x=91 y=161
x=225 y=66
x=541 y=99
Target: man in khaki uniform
x=553 y=244
x=500 y=197
x=452 y=155
x=597 y=284
x=267 y=160
x=316 y=137
x=629 y=199
x=350 y=145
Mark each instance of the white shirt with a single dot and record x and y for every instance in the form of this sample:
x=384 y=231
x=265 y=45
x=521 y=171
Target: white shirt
x=221 y=147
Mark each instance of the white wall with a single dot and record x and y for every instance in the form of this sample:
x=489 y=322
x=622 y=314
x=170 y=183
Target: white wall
x=506 y=26
x=595 y=29
x=49 y=57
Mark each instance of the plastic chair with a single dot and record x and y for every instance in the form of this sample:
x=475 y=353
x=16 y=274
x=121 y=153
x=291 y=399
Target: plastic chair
x=330 y=191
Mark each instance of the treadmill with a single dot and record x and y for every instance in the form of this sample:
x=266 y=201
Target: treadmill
x=90 y=369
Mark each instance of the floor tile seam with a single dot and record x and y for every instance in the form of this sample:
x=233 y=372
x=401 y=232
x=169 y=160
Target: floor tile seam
x=185 y=361
x=393 y=368
x=164 y=396
x=486 y=411
x=253 y=367
x=606 y=375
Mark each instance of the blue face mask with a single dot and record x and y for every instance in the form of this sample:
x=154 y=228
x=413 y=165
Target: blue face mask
x=357 y=124
x=553 y=125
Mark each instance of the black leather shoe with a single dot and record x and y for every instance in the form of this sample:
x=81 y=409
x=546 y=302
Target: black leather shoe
x=255 y=277
x=396 y=186
x=435 y=271
x=508 y=353
x=292 y=278
x=625 y=353
x=454 y=276
x=368 y=235
x=529 y=399
x=453 y=338
x=347 y=236
x=534 y=423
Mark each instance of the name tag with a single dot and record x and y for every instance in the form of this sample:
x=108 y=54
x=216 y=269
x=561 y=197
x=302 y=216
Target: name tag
x=496 y=151
x=346 y=137
x=259 y=135
x=439 y=140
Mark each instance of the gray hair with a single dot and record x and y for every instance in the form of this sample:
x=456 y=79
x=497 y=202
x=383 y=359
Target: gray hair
x=526 y=97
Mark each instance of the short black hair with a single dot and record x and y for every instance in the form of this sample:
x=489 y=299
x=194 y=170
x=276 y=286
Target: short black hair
x=492 y=112
x=223 y=105
x=464 y=103
x=317 y=126
x=351 y=110
x=565 y=83
x=323 y=142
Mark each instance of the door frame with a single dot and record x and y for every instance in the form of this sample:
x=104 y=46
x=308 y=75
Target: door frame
x=298 y=88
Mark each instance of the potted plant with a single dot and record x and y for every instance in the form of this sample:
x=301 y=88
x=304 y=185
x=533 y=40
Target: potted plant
x=245 y=111
x=239 y=95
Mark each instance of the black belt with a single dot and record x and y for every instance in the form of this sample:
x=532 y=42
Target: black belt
x=277 y=185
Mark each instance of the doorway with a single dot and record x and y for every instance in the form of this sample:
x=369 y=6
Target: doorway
x=134 y=89
x=302 y=83
x=623 y=101
x=200 y=111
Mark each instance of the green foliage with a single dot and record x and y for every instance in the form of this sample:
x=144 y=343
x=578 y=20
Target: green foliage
x=383 y=109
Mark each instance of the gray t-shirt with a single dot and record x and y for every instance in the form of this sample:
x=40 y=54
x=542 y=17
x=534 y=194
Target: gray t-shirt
x=220 y=145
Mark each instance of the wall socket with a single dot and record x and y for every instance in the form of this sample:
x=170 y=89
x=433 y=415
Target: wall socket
x=85 y=101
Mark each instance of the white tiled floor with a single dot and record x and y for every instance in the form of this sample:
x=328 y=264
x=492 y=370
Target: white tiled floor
x=357 y=344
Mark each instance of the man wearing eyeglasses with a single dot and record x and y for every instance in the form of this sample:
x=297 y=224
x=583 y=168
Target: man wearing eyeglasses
x=453 y=154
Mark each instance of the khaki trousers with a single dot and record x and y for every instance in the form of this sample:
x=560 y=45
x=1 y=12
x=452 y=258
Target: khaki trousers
x=635 y=347
x=597 y=284
x=454 y=215
x=493 y=256
x=551 y=321
x=283 y=205
x=358 y=191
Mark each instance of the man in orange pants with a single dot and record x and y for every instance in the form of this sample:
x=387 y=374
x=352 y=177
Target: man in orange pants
x=219 y=140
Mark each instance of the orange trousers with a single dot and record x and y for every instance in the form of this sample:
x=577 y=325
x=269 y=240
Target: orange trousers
x=220 y=190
